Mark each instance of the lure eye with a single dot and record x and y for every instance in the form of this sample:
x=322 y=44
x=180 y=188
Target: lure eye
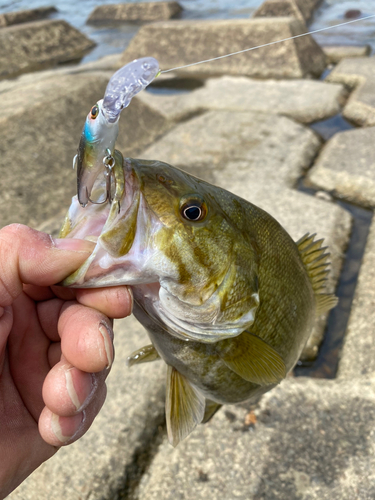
x=94 y=111
x=194 y=210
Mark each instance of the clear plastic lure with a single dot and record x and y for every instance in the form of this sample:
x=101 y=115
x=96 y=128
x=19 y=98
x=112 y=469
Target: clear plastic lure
x=96 y=147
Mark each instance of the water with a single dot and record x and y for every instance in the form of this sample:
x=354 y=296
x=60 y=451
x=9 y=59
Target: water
x=114 y=39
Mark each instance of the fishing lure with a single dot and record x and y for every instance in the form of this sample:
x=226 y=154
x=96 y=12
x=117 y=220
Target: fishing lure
x=97 y=144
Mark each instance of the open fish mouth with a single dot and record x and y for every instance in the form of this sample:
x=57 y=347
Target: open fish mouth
x=120 y=230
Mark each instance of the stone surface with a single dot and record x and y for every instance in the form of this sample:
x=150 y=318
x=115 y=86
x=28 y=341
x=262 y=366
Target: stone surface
x=301 y=9
x=25 y=16
x=358 y=354
x=176 y=43
x=313 y=440
x=31 y=46
x=258 y=147
x=143 y=11
x=41 y=124
x=359 y=73
x=99 y=464
x=304 y=100
x=335 y=53
x=346 y=166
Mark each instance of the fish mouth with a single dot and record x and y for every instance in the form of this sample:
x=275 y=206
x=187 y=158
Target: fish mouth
x=114 y=227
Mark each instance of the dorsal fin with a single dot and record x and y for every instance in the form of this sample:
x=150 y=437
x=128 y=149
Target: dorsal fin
x=316 y=261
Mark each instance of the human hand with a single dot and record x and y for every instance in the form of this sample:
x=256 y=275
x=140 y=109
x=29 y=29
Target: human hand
x=55 y=349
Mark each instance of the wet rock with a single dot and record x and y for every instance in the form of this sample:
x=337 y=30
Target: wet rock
x=358 y=353
x=257 y=146
x=99 y=464
x=25 y=16
x=335 y=53
x=304 y=100
x=301 y=9
x=313 y=439
x=358 y=73
x=32 y=46
x=346 y=166
x=41 y=123
x=176 y=43
x=143 y=11
x=352 y=14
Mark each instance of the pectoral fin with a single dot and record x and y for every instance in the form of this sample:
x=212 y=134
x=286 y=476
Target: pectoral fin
x=252 y=359
x=143 y=355
x=184 y=406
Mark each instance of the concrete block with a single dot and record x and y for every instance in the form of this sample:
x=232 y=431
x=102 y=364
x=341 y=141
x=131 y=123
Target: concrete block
x=303 y=100
x=358 y=354
x=176 y=43
x=258 y=147
x=25 y=16
x=346 y=166
x=31 y=46
x=358 y=73
x=335 y=53
x=142 y=11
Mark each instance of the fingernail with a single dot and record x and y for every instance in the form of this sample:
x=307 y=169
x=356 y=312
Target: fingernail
x=131 y=299
x=73 y=244
x=85 y=387
x=64 y=428
x=107 y=335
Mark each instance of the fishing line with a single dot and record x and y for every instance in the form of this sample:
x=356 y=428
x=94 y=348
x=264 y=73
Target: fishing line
x=268 y=44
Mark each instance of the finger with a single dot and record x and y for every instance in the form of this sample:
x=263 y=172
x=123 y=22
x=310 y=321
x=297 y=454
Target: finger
x=6 y=322
x=54 y=353
x=29 y=256
x=114 y=302
x=68 y=390
x=59 y=431
x=86 y=337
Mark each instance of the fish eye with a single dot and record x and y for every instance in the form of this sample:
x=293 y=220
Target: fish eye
x=194 y=210
x=94 y=111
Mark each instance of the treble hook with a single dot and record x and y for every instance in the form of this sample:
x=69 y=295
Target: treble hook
x=109 y=163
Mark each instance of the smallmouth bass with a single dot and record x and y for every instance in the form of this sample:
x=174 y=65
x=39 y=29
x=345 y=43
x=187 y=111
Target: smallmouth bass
x=227 y=297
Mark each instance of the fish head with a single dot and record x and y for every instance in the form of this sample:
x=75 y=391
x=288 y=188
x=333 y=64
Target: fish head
x=181 y=243
x=97 y=138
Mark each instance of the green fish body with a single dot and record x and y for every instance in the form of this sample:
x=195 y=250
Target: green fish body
x=227 y=297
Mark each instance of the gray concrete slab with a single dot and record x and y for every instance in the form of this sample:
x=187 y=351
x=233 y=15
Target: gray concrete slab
x=358 y=354
x=301 y=9
x=313 y=439
x=176 y=43
x=40 y=44
x=335 y=53
x=346 y=166
x=41 y=124
x=303 y=100
x=25 y=16
x=358 y=73
x=98 y=465
x=142 y=11
x=258 y=147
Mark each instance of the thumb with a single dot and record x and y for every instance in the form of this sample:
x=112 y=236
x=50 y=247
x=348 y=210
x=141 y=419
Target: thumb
x=32 y=257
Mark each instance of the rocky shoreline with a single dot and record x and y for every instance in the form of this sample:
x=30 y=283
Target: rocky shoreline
x=246 y=127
